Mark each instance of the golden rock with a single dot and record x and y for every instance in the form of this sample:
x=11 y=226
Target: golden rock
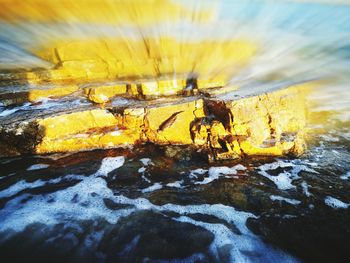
x=260 y=125
x=68 y=124
x=102 y=94
x=267 y=124
x=170 y=124
x=34 y=95
x=162 y=87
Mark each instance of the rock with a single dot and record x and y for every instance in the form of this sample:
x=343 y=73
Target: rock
x=148 y=234
x=215 y=82
x=258 y=125
x=170 y=124
x=102 y=94
x=34 y=95
x=317 y=236
x=74 y=123
x=153 y=89
x=20 y=140
x=155 y=59
x=269 y=124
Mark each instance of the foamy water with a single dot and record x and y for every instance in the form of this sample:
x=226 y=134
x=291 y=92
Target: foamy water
x=104 y=206
x=84 y=201
x=298 y=185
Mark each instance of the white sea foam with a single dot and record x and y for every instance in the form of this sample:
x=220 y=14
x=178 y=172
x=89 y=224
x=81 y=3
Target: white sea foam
x=154 y=187
x=346 y=135
x=196 y=172
x=142 y=170
x=19 y=186
x=88 y=204
x=284 y=199
x=275 y=165
x=240 y=167
x=109 y=164
x=146 y=161
x=176 y=184
x=240 y=245
x=38 y=166
x=345 y=176
x=84 y=201
x=7 y=112
x=22 y=185
x=335 y=203
x=329 y=138
x=305 y=188
x=284 y=180
x=215 y=173
x=145 y=178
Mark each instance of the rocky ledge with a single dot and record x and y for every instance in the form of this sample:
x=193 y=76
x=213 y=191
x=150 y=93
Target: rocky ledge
x=167 y=112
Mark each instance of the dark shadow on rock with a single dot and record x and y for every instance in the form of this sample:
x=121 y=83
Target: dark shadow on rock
x=21 y=139
x=322 y=236
x=148 y=234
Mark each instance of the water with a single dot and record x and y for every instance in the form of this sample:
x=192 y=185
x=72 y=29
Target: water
x=157 y=204
x=166 y=204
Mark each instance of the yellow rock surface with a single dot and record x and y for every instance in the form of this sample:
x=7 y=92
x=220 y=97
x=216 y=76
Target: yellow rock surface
x=270 y=124
x=108 y=58
x=199 y=133
x=61 y=75
x=94 y=59
x=135 y=12
x=102 y=94
x=170 y=124
x=162 y=87
x=81 y=142
x=212 y=92
x=217 y=134
x=163 y=124
x=92 y=68
x=131 y=119
x=148 y=89
x=34 y=95
x=67 y=124
x=211 y=83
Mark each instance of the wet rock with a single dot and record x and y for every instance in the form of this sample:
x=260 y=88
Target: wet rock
x=147 y=234
x=214 y=220
x=42 y=243
x=110 y=204
x=21 y=139
x=319 y=236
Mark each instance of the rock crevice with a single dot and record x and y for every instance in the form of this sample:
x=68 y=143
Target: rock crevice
x=268 y=124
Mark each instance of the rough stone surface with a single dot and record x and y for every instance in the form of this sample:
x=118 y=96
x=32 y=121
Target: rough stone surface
x=268 y=124
x=147 y=234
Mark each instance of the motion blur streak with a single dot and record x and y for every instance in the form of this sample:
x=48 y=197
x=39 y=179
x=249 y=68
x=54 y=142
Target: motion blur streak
x=174 y=130
x=239 y=41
